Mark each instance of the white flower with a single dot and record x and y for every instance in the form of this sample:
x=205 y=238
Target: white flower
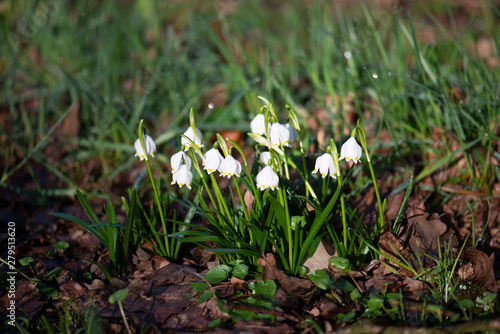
x=196 y=139
x=267 y=178
x=258 y=125
x=279 y=134
x=178 y=159
x=351 y=150
x=292 y=136
x=149 y=145
x=324 y=164
x=182 y=177
x=265 y=157
x=213 y=159
x=229 y=167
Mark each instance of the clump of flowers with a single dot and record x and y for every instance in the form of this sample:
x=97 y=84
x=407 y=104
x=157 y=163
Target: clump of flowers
x=265 y=218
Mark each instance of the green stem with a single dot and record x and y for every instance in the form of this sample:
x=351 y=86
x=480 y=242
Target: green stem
x=8 y=265
x=249 y=174
x=304 y=167
x=362 y=138
x=344 y=220
x=284 y=203
x=165 y=248
x=303 y=177
x=243 y=205
x=124 y=318
x=220 y=198
x=377 y=194
x=160 y=208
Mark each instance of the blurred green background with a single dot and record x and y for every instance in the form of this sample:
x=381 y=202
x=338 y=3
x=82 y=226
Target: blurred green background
x=76 y=77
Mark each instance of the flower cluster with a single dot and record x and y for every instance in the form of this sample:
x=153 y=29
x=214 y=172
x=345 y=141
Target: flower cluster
x=325 y=165
x=213 y=160
x=279 y=135
x=181 y=169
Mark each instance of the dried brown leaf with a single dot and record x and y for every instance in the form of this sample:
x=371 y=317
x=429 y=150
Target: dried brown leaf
x=478 y=270
x=320 y=258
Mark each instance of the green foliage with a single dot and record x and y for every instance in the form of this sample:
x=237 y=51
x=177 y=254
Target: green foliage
x=339 y=262
x=248 y=308
x=118 y=296
x=243 y=308
x=69 y=320
x=265 y=290
x=112 y=235
x=277 y=218
x=218 y=273
x=200 y=290
x=322 y=280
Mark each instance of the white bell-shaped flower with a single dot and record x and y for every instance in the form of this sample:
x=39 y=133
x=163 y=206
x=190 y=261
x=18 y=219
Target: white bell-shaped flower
x=265 y=157
x=182 y=177
x=293 y=135
x=229 y=167
x=149 y=145
x=267 y=178
x=178 y=159
x=258 y=125
x=280 y=134
x=196 y=139
x=351 y=150
x=213 y=159
x=324 y=164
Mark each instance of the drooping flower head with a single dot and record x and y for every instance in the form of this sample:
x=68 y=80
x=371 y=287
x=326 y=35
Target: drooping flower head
x=197 y=139
x=258 y=125
x=324 y=164
x=182 y=177
x=279 y=135
x=229 y=167
x=267 y=178
x=178 y=159
x=149 y=145
x=213 y=159
x=351 y=150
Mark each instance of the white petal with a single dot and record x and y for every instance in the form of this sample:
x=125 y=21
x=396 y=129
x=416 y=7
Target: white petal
x=292 y=136
x=229 y=167
x=279 y=134
x=183 y=177
x=138 y=149
x=325 y=166
x=351 y=150
x=149 y=145
x=258 y=125
x=176 y=160
x=190 y=134
x=267 y=178
x=265 y=157
x=213 y=159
